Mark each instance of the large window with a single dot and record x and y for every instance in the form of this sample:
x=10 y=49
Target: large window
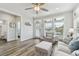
x=59 y=25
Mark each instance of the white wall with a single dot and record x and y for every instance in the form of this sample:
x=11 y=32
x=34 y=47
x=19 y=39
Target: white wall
x=75 y=20
x=68 y=23
x=26 y=31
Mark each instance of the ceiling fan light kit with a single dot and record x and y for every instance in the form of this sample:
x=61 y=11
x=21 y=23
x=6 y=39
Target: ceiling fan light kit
x=37 y=7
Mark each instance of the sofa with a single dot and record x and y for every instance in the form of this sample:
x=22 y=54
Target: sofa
x=62 y=48
x=65 y=47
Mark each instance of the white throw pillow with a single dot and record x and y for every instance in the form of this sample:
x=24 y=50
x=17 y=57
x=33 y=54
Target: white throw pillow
x=60 y=53
x=62 y=43
x=64 y=49
x=75 y=53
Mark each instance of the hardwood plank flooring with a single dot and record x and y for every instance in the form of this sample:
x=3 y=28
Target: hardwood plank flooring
x=30 y=52
x=15 y=49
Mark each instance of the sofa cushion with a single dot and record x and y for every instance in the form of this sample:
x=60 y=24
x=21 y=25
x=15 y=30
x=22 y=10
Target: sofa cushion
x=64 y=48
x=61 y=47
x=60 y=53
x=62 y=43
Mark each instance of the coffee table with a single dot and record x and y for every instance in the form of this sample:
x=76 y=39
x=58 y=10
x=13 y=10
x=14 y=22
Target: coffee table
x=44 y=48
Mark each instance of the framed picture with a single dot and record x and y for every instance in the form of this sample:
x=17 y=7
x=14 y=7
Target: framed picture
x=27 y=23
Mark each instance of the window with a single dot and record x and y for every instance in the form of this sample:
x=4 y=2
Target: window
x=59 y=25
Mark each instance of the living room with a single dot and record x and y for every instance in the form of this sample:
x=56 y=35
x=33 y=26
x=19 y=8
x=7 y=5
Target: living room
x=46 y=29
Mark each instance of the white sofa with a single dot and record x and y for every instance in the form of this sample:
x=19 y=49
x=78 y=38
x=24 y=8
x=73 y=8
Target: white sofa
x=61 y=49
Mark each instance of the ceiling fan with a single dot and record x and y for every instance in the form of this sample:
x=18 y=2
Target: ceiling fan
x=37 y=7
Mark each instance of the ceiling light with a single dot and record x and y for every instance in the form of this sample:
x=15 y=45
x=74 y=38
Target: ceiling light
x=1 y=22
x=57 y=8
x=36 y=8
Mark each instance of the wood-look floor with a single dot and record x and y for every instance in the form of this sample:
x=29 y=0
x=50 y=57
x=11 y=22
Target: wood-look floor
x=16 y=48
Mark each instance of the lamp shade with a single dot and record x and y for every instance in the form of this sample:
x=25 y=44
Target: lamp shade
x=71 y=30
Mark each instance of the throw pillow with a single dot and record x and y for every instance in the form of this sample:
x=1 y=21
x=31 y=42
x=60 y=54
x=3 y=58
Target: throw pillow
x=74 y=45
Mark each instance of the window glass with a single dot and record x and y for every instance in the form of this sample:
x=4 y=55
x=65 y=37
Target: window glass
x=59 y=25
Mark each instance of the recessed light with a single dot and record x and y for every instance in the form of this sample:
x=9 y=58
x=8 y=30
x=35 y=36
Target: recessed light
x=57 y=8
x=1 y=22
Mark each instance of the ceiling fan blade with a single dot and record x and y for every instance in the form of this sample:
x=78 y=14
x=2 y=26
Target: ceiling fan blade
x=44 y=9
x=28 y=8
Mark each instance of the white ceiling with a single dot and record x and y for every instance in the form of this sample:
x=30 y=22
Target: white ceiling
x=19 y=8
